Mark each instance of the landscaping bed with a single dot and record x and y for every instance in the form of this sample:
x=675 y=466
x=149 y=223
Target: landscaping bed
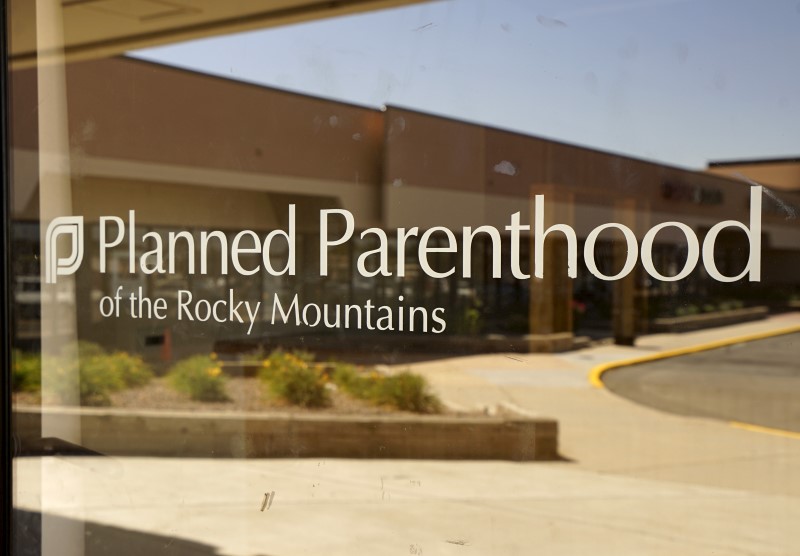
x=156 y=421
x=281 y=404
x=245 y=395
x=278 y=381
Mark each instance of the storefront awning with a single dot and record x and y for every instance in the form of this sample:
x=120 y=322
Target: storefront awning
x=101 y=28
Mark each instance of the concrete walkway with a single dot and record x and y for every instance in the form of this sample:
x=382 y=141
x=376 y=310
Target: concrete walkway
x=640 y=482
x=603 y=432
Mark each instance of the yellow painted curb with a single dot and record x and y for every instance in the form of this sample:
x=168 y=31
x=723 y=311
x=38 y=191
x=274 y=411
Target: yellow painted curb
x=595 y=375
x=765 y=430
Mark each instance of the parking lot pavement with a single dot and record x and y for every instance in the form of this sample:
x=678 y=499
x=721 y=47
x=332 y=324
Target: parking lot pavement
x=756 y=382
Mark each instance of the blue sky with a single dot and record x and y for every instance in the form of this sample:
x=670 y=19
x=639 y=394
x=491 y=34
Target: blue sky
x=677 y=81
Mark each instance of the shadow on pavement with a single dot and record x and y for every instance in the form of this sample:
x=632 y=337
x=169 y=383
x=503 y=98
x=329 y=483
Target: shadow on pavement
x=101 y=539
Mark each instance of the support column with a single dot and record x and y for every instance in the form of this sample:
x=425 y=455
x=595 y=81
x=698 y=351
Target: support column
x=58 y=310
x=58 y=318
x=550 y=311
x=624 y=311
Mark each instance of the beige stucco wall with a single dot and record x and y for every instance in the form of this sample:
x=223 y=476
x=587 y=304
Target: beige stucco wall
x=783 y=175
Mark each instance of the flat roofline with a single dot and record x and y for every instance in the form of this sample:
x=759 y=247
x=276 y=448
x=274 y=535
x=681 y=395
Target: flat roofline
x=753 y=162
x=561 y=142
x=235 y=81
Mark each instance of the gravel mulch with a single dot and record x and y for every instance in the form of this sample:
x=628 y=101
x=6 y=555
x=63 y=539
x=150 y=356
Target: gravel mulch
x=245 y=395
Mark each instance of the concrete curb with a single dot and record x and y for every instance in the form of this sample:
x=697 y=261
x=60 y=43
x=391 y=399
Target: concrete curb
x=276 y=435
x=596 y=373
x=708 y=320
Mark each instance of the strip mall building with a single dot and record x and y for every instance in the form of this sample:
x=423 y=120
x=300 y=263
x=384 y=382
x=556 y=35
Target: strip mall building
x=234 y=156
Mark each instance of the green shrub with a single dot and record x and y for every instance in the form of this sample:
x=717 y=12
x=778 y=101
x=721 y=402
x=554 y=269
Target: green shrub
x=200 y=377
x=98 y=373
x=26 y=371
x=730 y=305
x=102 y=373
x=97 y=380
x=133 y=371
x=687 y=311
x=355 y=383
x=89 y=349
x=405 y=391
x=295 y=378
x=409 y=392
x=469 y=321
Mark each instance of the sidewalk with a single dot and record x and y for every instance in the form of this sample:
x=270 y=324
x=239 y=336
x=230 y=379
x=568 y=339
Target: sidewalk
x=603 y=432
x=641 y=482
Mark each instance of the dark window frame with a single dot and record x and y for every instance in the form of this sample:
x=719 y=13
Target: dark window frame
x=5 y=307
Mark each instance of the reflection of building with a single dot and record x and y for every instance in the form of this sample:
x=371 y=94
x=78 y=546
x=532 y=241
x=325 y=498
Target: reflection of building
x=779 y=173
x=189 y=151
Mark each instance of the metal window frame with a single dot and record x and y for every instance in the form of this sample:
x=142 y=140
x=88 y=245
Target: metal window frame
x=5 y=306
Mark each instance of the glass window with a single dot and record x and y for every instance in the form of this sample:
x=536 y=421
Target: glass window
x=402 y=277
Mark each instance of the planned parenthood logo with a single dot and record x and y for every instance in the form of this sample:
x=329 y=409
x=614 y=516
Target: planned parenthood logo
x=55 y=265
